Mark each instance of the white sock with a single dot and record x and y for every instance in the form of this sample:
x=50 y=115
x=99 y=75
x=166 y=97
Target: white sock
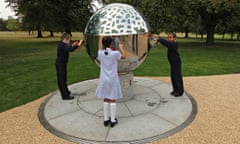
x=113 y=111
x=106 y=111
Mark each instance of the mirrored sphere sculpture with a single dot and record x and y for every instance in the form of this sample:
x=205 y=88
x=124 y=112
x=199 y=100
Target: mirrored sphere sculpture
x=126 y=25
x=124 y=22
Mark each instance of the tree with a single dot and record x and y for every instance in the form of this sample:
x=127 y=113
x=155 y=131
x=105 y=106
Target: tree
x=3 y=25
x=71 y=14
x=13 y=25
x=34 y=12
x=54 y=15
x=211 y=12
x=200 y=16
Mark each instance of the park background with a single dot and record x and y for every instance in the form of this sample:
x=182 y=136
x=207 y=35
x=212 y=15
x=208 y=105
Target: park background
x=208 y=33
x=211 y=63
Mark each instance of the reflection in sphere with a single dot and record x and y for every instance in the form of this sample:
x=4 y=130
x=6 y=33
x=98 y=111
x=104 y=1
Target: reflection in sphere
x=122 y=22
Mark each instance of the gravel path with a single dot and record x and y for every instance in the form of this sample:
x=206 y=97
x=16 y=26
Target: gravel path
x=217 y=121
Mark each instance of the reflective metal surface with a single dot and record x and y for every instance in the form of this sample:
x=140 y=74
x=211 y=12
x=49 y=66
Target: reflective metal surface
x=94 y=5
x=124 y=22
x=135 y=46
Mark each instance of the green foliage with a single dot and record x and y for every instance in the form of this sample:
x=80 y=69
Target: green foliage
x=13 y=25
x=212 y=12
x=3 y=25
x=199 y=16
x=54 y=15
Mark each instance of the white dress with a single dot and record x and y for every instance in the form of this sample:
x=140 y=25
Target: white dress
x=109 y=84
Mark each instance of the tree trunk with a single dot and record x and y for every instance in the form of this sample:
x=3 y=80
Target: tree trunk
x=232 y=33
x=223 y=35
x=186 y=32
x=51 y=33
x=68 y=30
x=39 y=31
x=209 y=22
x=210 y=35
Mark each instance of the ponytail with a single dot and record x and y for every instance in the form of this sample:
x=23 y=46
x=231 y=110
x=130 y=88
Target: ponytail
x=106 y=41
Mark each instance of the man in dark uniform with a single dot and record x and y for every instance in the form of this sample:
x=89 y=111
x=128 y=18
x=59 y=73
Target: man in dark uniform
x=64 y=47
x=175 y=63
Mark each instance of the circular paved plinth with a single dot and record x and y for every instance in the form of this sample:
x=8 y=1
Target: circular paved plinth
x=152 y=114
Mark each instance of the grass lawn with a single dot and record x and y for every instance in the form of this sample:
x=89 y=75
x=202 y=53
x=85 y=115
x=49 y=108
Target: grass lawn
x=27 y=69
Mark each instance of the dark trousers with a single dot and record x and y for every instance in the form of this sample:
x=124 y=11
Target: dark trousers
x=176 y=78
x=61 y=70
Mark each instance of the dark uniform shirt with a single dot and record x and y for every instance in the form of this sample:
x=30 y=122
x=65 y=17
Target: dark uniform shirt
x=175 y=63
x=173 y=54
x=63 y=52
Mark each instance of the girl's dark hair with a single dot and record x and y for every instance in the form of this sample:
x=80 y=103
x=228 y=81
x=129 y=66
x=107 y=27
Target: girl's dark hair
x=106 y=41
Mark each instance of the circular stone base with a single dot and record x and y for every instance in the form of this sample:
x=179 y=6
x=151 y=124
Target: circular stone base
x=150 y=115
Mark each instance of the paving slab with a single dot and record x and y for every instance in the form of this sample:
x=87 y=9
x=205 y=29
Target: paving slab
x=150 y=115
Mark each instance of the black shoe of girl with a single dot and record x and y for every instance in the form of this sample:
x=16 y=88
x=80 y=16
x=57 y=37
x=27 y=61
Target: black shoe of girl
x=114 y=123
x=106 y=122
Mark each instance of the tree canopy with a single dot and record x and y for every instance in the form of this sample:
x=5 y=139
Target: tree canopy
x=198 y=16
x=54 y=15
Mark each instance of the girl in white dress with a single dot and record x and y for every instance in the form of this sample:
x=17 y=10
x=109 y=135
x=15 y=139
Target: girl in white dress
x=109 y=88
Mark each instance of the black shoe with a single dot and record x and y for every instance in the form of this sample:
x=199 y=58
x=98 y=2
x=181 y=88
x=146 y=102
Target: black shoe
x=114 y=123
x=106 y=122
x=178 y=94
x=68 y=98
